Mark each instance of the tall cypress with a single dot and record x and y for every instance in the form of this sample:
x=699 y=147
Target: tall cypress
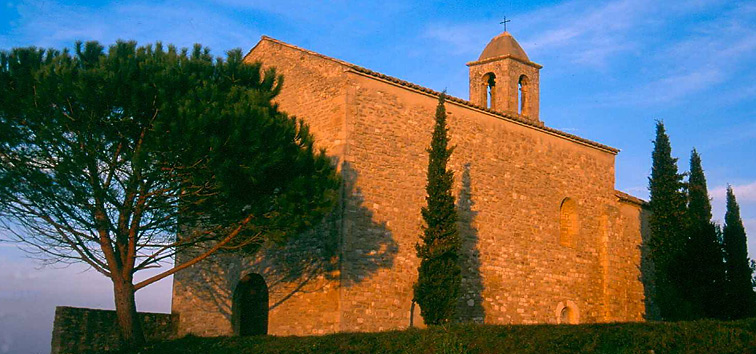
x=667 y=227
x=439 y=277
x=705 y=270
x=740 y=296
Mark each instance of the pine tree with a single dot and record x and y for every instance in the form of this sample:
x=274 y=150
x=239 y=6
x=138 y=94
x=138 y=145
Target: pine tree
x=667 y=227
x=105 y=155
x=741 y=300
x=705 y=270
x=439 y=277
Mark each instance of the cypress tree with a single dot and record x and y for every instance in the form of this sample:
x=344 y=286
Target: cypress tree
x=740 y=296
x=439 y=277
x=667 y=226
x=705 y=269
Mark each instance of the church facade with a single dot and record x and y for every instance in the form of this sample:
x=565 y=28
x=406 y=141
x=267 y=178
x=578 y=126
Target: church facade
x=546 y=237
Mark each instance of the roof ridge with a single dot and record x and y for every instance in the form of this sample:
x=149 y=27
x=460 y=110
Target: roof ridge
x=508 y=116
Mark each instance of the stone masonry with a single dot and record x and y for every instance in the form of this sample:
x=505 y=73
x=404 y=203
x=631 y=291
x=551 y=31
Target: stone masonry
x=513 y=174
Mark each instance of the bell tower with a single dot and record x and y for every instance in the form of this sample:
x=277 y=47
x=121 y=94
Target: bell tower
x=504 y=79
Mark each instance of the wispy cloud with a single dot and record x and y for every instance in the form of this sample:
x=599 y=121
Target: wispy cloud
x=460 y=39
x=667 y=89
x=56 y=24
x=613 y=37
x=733 y=135
x=714 y=52
x=583 y=33
x=744 y=193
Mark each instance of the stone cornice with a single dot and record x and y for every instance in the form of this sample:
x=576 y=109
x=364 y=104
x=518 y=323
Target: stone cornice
x=508 y=56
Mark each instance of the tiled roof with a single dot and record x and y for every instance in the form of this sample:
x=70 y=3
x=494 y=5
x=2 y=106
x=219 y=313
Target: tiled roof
x=503 y=44
x=506 y=116
x=629 y=198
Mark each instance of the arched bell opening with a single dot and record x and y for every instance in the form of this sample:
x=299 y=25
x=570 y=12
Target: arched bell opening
x=489 y=90
x=523 y=87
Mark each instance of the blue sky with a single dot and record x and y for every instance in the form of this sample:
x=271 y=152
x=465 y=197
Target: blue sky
x=610 y=69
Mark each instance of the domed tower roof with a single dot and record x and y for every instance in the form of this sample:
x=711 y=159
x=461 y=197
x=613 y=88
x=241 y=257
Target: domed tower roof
x=503 y=44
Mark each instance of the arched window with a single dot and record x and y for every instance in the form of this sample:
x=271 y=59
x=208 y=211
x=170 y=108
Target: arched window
x=489 y=89
x=568 y=222
x=522 y=95
x=567 y=313
x=250 y=306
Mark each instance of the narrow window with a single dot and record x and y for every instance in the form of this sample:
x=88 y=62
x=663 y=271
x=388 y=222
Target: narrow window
x=489 y=84
x=568 y=223
x=522 y=95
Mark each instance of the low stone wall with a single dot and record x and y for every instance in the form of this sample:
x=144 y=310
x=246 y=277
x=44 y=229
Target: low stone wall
x=82 y=330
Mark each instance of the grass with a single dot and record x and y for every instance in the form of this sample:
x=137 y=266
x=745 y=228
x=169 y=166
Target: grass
x=705 y=336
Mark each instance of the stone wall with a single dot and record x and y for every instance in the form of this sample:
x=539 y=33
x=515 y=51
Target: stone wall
x=303 y=277
x=516 y=177
x=82 y=330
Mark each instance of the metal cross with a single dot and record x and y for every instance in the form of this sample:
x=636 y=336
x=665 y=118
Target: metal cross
x=504 y=23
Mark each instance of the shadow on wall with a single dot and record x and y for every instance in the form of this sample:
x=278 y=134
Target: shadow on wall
x=309 y=262
x=368 y=245
x=210 y=281
x=647 y=269
x=470 y=304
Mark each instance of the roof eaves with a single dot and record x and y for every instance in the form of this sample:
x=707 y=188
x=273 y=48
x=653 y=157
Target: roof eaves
x=629 y=198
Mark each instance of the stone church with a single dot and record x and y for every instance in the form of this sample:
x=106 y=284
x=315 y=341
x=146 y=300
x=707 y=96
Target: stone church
x=546 y=237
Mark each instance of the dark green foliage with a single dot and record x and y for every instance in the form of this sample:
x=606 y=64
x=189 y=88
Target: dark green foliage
x=740 y=296
x=668 y=231
x=105 y=155
x=704 y=270
x=705 y=336
x=439 y=277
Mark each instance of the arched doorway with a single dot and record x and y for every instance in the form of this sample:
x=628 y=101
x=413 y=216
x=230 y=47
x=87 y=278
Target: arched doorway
x=250 y=306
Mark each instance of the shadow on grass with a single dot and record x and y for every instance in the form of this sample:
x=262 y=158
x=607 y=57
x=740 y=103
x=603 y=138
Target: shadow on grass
x=705 y=336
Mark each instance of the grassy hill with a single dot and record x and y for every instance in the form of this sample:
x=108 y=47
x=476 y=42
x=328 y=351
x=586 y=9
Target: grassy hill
x=654 y=337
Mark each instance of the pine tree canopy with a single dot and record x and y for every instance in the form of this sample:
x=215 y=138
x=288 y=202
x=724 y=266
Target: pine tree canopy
x=105 y=155
x=439 y=277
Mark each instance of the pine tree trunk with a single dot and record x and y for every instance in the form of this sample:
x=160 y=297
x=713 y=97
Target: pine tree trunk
x=129 y=324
